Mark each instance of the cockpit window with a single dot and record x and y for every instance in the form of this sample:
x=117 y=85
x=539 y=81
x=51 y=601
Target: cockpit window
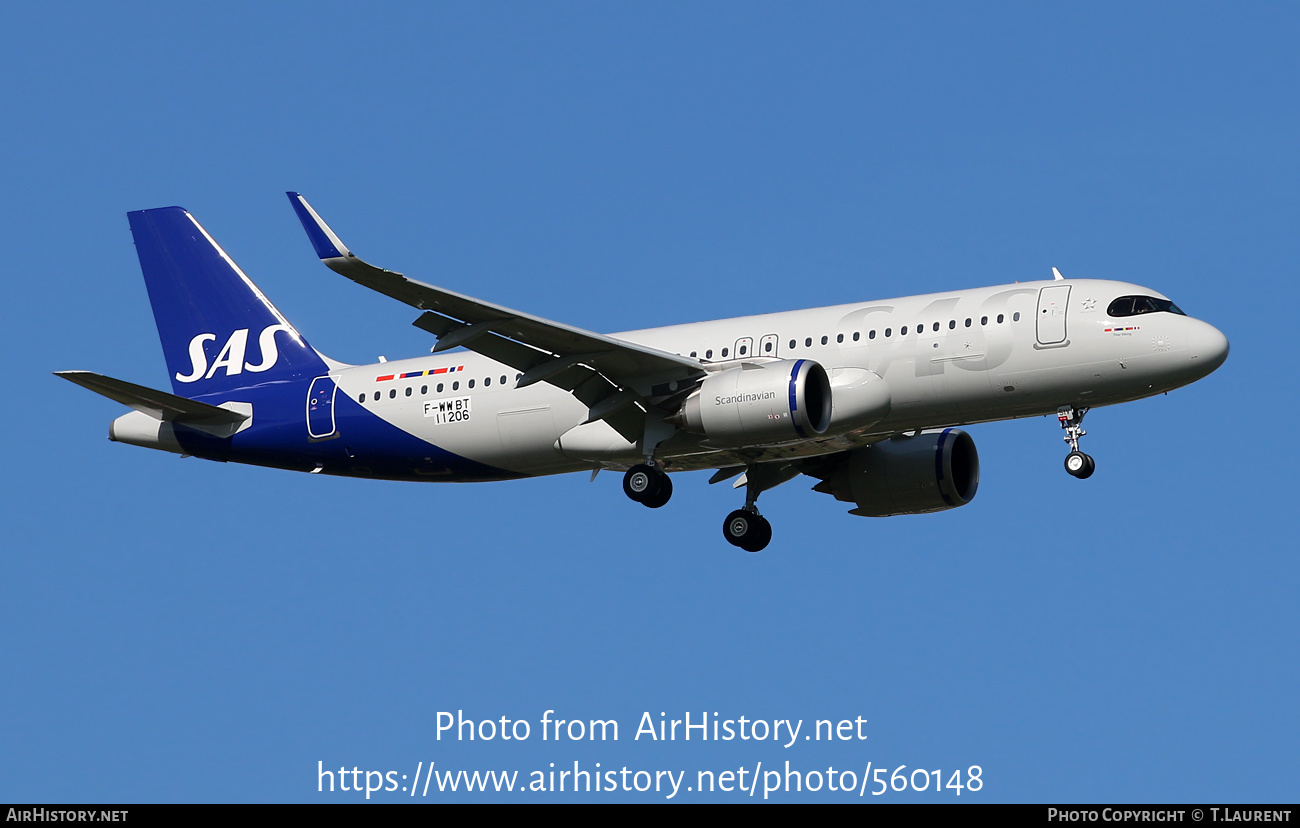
x=1135 y=305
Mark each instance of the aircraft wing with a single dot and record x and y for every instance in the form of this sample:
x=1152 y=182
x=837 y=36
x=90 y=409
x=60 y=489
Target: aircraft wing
x=607 y=374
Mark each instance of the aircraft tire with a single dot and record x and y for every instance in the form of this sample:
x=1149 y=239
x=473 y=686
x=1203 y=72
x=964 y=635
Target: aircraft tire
x=665 y=493
x=1079 y=464
x=764 y=536
x=643 y=482
x=1089 y=467
x=747 y=530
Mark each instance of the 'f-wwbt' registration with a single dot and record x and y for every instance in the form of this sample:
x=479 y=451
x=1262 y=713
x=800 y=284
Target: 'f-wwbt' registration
x=454 y=410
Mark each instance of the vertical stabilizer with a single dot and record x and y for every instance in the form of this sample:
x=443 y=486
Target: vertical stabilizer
x=219 y=332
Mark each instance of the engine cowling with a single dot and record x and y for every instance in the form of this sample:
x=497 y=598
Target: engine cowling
x=757 y=403
x=930 y=472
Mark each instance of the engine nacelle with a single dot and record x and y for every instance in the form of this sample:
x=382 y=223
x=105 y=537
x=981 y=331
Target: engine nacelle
x=931 y=472
x=756 y=403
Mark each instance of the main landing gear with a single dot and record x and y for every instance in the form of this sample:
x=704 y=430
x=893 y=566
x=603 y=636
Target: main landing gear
x=648 y=485
x=747 y=529
x=1076 y=462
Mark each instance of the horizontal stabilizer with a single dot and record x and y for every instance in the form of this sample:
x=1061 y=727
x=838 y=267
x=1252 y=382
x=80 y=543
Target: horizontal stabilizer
x=157 y=404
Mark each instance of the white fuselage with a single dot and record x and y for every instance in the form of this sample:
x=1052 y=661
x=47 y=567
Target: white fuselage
x=948 y=359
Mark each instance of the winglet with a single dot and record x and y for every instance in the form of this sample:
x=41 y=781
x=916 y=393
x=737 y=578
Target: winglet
x=327 y=244
x=1056 y=274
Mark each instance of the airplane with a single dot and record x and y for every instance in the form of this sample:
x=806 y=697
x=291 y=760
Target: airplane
x=866 y=398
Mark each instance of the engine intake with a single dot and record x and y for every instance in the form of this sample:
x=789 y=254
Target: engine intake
x=756 y=403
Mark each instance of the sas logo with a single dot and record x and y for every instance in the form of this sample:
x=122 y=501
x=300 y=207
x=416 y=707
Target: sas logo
x=232 y=353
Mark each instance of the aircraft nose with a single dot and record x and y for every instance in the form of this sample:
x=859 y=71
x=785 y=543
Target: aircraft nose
x=1207 y=347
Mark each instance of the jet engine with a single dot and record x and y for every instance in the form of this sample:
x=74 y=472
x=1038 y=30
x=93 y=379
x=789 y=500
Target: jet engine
x=756 y=403
x=929 y=472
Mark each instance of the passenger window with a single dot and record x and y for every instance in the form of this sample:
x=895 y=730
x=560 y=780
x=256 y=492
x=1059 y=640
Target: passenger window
x=487 y=381
x=767 y=346
x=807 y=343
x=408 y=390
x=363 y=398
x=503 y=379
x=724 y=353
x=471 y=383
x=952 y=323
x=1015 y=317
x=984 y=320
x=889 y=332
x=439 y=388
x=856 y=336
x=936 y=326
x=708 y=354
x=839 y=337
x=1000 y=318
x=743 y=349
x=792 y=343
x=872 y=335
x=825 y=340
x=455 y=386
x=902 y=331
x=424 y=389
x=968 y=321
x=693 y=353
x=392 y=395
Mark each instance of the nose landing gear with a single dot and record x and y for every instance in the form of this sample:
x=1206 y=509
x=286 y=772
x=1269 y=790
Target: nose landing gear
x=1076 y=462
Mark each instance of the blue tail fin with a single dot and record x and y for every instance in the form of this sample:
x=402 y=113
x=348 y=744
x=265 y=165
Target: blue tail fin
x=218 y=331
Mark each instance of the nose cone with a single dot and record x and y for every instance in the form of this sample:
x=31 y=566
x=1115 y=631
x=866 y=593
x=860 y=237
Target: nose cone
x=1207 y=347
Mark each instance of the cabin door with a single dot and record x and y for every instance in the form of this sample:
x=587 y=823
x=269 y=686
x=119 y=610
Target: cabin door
x=1052 y=302
x=320 y=409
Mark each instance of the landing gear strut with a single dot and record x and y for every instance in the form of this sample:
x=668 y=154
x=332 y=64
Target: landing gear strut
x=648 y=485
x=1076 y=462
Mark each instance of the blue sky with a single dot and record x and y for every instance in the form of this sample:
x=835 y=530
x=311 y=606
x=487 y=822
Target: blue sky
x=176 y=630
